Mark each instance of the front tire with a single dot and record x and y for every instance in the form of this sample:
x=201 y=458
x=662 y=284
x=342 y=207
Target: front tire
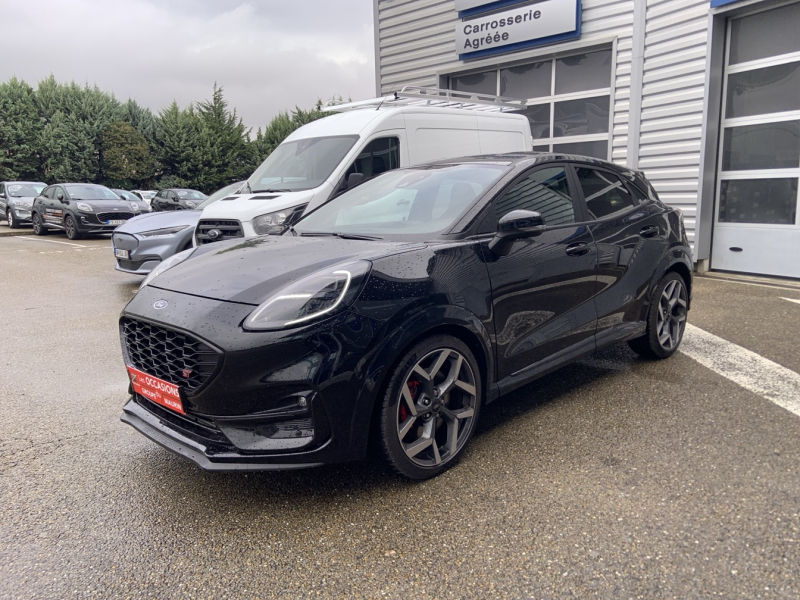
x=38 y=225
x=71 y=228
x=12 y=222
x=429 y=410
x=666 y=319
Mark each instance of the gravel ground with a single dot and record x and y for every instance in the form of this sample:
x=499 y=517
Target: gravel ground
x=613 y=477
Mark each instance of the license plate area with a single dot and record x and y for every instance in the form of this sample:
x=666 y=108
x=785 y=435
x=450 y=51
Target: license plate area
x=115 y=221
x=157 y=390
x=120 y=253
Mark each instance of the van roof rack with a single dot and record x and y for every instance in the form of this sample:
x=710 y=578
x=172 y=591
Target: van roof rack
x=421 y=96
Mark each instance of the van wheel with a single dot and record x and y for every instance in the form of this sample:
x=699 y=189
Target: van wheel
x=430 y=408
x=38 y=225
x=666 y=319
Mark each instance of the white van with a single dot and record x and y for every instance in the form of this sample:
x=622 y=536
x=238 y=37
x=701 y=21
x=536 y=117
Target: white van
x=323 y=158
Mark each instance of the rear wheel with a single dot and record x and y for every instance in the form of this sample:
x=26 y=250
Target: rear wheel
x=666 y=319
x=38 y=225
x=71 y=228
x=430 y=408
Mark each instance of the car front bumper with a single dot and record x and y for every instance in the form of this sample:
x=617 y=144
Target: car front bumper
x=145 y=254
x=247 y=412
x=21 y=214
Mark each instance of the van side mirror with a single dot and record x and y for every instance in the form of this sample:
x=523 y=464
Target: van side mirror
x=513 y=226
x=354 y=179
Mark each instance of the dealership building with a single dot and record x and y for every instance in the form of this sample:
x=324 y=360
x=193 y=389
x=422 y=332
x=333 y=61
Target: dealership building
x=702 y=95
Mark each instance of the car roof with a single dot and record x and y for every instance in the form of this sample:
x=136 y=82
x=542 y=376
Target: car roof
x=528 y=159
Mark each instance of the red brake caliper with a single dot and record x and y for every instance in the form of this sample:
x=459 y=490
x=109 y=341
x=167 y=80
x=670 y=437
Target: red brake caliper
x=412 y=387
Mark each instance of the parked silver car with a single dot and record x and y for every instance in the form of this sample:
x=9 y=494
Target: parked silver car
x=144 y=241
x=16 y=199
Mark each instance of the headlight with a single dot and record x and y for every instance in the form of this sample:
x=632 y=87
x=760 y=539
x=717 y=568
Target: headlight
x=173 y=260
x=22 y=203
x=84 y=207
x=321 y=294
x=135 y=207
x=191 y=204
x=274 y=222
x=165 y=231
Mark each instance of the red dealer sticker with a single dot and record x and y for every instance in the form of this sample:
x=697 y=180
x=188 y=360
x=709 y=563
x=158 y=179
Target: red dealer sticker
x=155 y=389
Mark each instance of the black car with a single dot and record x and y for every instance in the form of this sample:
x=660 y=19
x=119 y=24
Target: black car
x=81 y=208
x=177 y=199
x=393 y=313
x=16 y=199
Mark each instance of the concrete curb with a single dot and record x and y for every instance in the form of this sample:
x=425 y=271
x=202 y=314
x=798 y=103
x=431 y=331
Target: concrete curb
x=13 y=232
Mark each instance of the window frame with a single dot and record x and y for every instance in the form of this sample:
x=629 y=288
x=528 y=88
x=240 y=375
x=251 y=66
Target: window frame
x=343 y=179
x=489 y=217
x=761 y=119
x=626 y=184
x=547 y=144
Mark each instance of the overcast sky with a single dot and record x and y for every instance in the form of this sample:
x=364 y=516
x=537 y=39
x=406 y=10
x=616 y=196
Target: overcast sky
x=268 y=55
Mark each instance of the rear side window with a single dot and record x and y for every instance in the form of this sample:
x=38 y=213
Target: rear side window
x=604 y=192
x=545 y=191
x=377 y=157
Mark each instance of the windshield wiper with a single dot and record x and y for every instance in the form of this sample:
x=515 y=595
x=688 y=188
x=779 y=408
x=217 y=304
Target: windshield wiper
x=339 y=234
x=270 y=191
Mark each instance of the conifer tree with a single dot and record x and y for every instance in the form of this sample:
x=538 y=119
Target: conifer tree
x=20 y=127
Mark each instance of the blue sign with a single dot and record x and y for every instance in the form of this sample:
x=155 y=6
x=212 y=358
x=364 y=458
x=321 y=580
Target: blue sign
x=716 y=3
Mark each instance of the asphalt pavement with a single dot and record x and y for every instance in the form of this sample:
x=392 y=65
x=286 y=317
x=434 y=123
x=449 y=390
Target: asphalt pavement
x=614 y=477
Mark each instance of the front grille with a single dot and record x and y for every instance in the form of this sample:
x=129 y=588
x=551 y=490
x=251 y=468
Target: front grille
x=227 y=230
x=114 y=216
x=169 y=355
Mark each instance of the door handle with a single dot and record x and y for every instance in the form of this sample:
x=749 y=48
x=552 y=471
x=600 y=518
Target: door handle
x=649 y=231
x=578 y=249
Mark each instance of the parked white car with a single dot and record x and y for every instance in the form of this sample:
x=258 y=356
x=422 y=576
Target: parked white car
x=323 y=158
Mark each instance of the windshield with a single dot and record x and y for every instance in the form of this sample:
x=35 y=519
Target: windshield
x=128 y=196
x=90 y=192
x=190 y=195
x=301 y=164
x=412 y=202
x=219 y=194
x=24 y=189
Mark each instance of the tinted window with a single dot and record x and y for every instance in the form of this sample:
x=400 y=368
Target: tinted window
x=583 y=72
x=765 y=146
x=545 y=191
x=581 y=117
x=378 y=156
x=604 y=192
x=597 y=149
x=539 y=117
x=763 y=91
x=527 y=81
x=478 y=83
x=772 y=201
x=48 y=192
x=765 y=34
x=404 y=202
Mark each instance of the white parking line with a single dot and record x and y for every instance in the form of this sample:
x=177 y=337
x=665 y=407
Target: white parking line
x=33 y=239
x=791 y=299
x=748 y=369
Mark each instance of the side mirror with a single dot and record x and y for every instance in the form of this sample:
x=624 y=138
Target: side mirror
x=513 y=226
x=60 y=196
x=354 y=179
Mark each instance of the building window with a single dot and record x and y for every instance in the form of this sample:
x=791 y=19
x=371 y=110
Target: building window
x=759 y=162
x=569 y=99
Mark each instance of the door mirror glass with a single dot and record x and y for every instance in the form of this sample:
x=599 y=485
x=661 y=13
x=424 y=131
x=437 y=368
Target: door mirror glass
x=60 y=196
x=513 y=226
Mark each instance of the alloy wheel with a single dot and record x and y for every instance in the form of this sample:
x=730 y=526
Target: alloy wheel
x=436 y=408
x=671 y=315
x=10 y=218
x=70 y=227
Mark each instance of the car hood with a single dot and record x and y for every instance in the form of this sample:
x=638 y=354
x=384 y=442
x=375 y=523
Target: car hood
x=160 y=220
x=250 y=271
x=105 y=205
x=248 y=206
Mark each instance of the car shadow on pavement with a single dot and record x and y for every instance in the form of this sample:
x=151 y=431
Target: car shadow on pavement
x=367 y=479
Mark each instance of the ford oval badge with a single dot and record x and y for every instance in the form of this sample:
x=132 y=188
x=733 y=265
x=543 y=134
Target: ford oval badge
x=159 y=304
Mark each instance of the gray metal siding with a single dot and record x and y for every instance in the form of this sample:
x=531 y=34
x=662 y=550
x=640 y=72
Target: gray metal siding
x=673 y=95
x=415 y=40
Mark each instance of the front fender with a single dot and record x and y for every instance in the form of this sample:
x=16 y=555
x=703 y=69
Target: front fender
x=394 y=339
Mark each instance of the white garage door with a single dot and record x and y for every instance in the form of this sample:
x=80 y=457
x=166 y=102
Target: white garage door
x=757 y=227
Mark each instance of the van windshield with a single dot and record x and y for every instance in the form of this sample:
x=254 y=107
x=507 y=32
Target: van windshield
x=301 y=164
x=404 y=204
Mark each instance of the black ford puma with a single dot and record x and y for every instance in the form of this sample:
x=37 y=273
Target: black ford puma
x=386 y=318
